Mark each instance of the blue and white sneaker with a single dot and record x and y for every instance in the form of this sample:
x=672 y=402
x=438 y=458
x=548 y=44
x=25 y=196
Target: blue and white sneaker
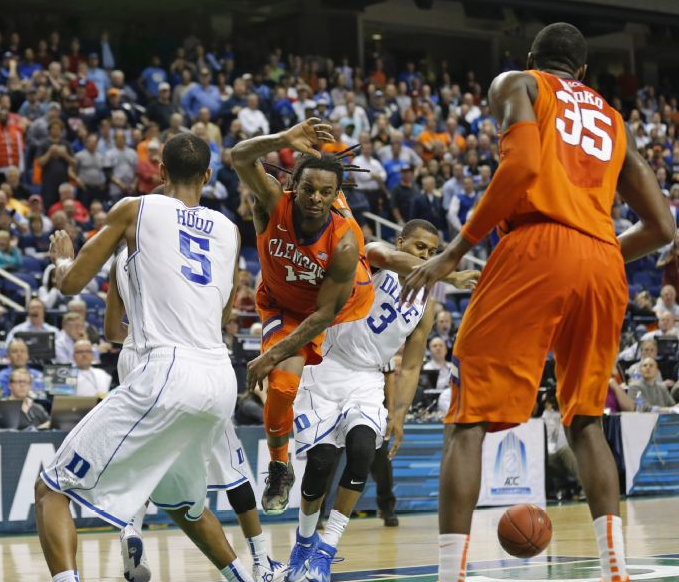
x=301 y=551
x=318 y=564
x=272 y=571
x=135 y=564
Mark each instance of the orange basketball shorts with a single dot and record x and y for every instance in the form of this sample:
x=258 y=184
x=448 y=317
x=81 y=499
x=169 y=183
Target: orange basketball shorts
x=278 y=324
x=546 y=287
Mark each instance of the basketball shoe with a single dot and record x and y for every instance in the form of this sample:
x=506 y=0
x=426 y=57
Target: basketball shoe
x=272 y=571
x=135 y=564
x=318 y=564
x=301 y=551
x=280 y=480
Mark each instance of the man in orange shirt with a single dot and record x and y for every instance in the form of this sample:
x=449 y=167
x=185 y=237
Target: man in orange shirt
x=558 y=271
x=314 y=274
x=433 y=141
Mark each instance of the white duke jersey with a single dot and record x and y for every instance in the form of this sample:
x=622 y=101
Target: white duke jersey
x=123 y=284
x=181 y=274
x=371 y=342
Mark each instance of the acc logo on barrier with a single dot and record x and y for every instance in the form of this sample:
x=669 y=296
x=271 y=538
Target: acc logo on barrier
x=510 y=471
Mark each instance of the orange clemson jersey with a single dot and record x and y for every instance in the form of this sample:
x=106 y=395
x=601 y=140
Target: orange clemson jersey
x=583 y=146
x=361 y=300
x=293 y=268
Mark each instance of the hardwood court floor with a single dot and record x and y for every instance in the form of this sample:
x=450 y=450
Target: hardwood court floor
x=373 y=552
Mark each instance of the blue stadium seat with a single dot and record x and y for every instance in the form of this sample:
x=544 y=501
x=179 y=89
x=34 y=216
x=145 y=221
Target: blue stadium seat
x=450 y=304
x=31 y=264
x=249 y=254
x=463 y=304
x=27 y=278
x=642 y=278
x=93 y=302
x=253 y=267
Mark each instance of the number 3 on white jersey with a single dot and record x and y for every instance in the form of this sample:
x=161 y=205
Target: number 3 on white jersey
x=587 y=119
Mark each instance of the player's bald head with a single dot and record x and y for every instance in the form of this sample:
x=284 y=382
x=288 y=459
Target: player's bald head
x=560 y=46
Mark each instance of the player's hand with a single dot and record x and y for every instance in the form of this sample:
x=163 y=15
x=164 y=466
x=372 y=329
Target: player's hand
x=425 y=275
x=304 y=136
x=464 y=279
x=394 y=433
x=258 y=369
x=61 y=246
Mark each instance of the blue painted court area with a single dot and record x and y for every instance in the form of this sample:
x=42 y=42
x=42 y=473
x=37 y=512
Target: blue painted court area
x=566 y=569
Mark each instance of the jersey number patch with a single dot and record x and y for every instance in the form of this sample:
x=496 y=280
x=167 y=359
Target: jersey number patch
x=292 y=275
x=203 y=244
x=584 y=127
x=386 y=318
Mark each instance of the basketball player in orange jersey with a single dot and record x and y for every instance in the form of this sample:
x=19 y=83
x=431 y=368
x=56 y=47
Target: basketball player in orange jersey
x=555 y=282
x=313 y=275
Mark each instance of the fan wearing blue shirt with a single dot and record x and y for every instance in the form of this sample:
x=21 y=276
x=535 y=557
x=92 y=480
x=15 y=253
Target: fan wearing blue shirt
x=151 y=77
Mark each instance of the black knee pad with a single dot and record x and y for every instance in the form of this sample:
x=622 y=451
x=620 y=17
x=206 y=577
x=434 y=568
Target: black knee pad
x=320 y=463
x=360 y=444
x=242 y=498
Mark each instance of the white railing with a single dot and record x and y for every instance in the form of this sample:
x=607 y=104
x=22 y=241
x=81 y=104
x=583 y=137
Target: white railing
x=380 y=222
x=19 y=283
x=11 y=304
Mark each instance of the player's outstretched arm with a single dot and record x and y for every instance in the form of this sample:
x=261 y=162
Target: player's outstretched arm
x=333 y=294
x=114 y=328
x=73 y=273
x=406 y=386
x=301 y=137
x=382 y=256
x=511 y=98
x=639 y=187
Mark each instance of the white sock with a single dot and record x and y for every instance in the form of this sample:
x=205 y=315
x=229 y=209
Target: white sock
x=257 y=547
x=453 y=557
x=137 y=520
x=334 y=528
x=608 y=531
x=307 y=523
x=67 y=576
x=235 y=572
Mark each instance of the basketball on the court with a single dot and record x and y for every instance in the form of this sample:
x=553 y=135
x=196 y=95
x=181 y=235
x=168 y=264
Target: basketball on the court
x=524 y=531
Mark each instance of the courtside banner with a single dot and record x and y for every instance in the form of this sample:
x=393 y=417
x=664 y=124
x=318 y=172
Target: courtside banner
x=651 y=447
x=415 y=471
x=514 y=466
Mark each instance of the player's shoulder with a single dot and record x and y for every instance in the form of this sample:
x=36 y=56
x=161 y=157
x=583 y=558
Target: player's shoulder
x=509 y=81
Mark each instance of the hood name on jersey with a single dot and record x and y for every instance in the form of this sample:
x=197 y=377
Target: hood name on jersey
x=191 y=219
x=284 y=250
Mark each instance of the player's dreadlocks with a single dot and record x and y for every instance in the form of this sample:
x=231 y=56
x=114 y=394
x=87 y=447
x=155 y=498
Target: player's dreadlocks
x=331 y=163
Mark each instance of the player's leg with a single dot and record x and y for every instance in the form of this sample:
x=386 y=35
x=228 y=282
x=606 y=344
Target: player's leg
x=459 y=485
x=284 y=382
x=278 y=417
x=207 y=533
x=57 y=532
x=242 y=500
x=382 y=473
x=360 y=443
x=585 y=347
x=318 y=471
x=497 y=368
x=135 y=562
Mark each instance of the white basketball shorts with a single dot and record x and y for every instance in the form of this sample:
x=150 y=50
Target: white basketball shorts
x=332 y=399
x=150 y=438
x=127 y=361
x=226 y=468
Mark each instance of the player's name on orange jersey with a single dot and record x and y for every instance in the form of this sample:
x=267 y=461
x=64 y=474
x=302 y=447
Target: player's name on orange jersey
x=280 y=249
x=583 y=96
